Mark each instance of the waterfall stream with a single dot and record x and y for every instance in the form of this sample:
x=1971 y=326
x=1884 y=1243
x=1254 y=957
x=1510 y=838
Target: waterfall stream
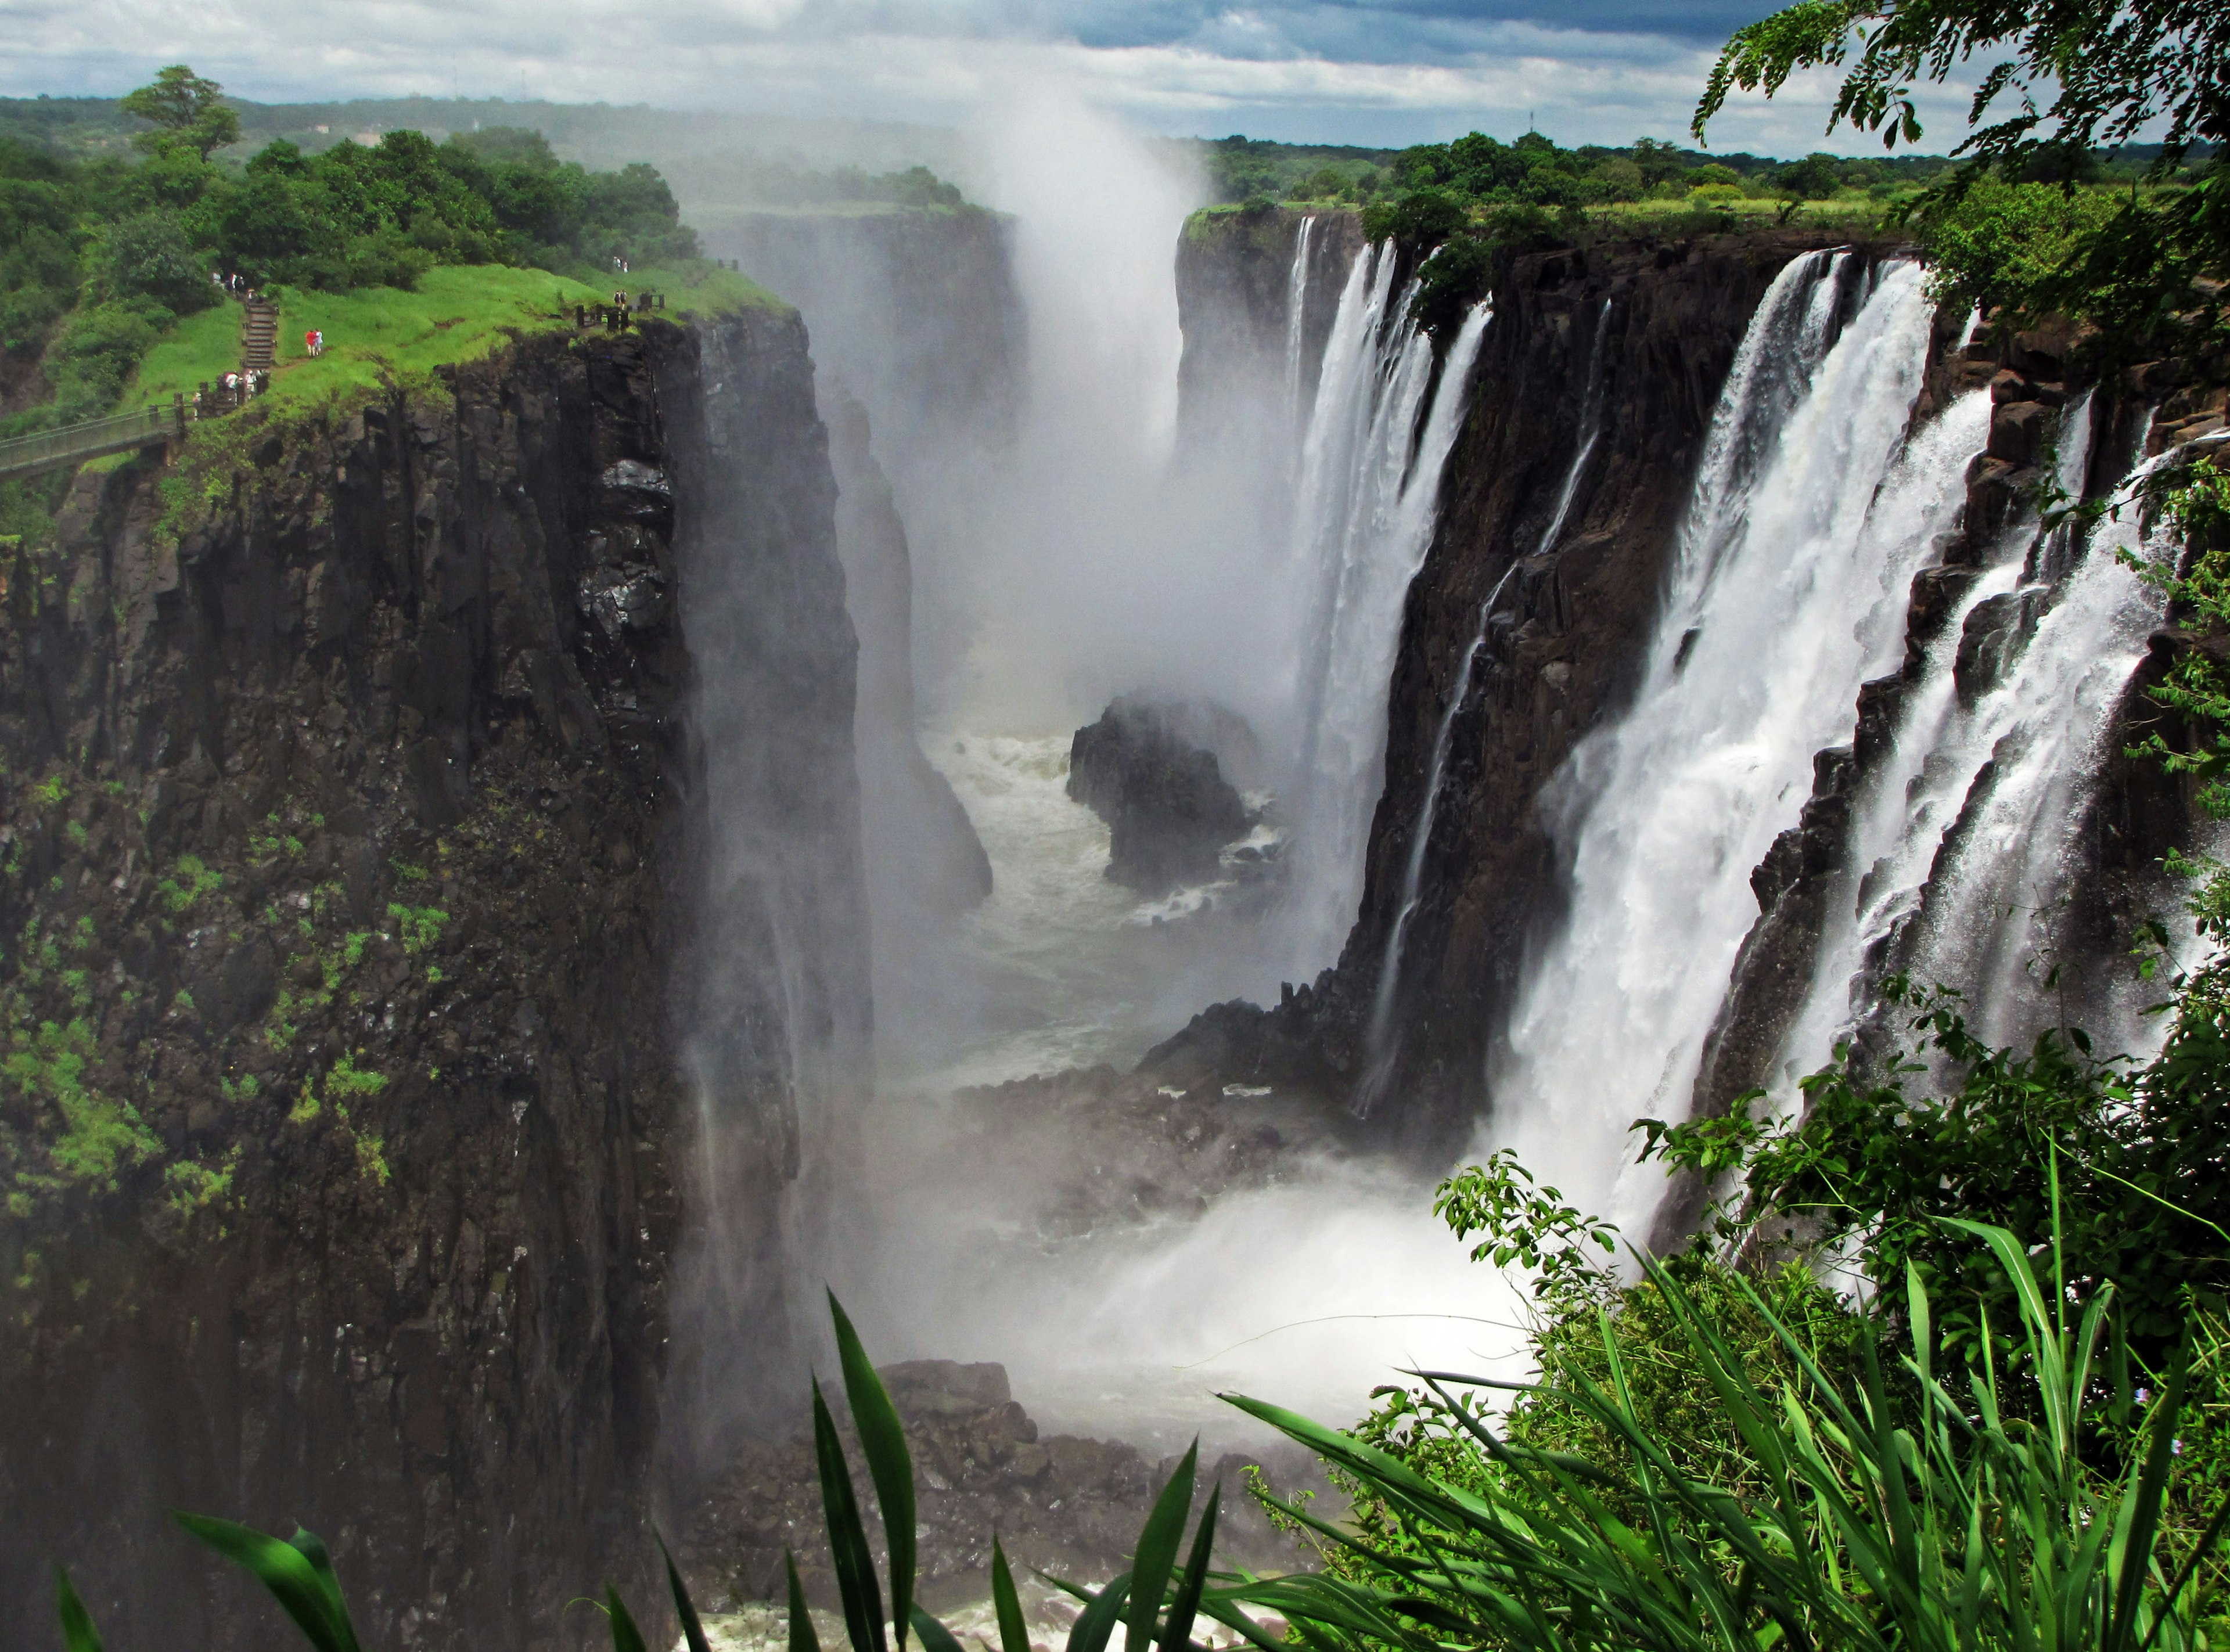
x=1788 y=590
x=2035 y=741
x=1367 y=495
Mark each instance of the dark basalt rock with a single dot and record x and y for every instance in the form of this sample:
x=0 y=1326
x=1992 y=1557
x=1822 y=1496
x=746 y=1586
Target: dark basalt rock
x=1169 y=809
x=1997 y=631
x=350 y=790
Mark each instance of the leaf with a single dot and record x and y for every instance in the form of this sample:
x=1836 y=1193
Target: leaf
x=693 y=1628
x=802 y=1636
x=1157 y=1553
x=288 y=1572
x=78 y=1633
x=1177 y=1632
x=1095 y=1624
x=935 y=1637
x=848 y=1539
x=626 y=1637
x=882 y=1440
x=1014 y=1633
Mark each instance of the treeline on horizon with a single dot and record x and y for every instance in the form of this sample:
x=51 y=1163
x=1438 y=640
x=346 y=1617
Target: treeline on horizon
x=1533 y=169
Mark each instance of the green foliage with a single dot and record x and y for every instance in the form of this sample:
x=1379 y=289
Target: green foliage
x=100 y=259
x=2128 y=1169
x=2062 y=79
x=187 y=112
x=92 y=1137
x=2194 y=498
x=149 y=256
x=95 y=353
x=1527 y=1224
x=1968 y=1518
x=419 y=926
x=345 y=1078
x=1997 y=243
x=188 y=881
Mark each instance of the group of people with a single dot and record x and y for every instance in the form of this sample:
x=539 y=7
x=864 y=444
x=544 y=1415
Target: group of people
x=617 y=316
x=230 y=391
x=313 y=342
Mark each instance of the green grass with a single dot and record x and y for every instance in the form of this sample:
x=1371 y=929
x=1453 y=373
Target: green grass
x=457 y=314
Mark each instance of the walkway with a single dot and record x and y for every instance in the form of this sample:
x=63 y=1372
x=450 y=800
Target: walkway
x=48 y=450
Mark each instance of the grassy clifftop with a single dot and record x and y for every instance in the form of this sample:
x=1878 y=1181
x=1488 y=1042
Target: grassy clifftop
x=456 y=313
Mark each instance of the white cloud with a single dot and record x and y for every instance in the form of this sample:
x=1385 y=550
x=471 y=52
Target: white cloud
x=1269 y=70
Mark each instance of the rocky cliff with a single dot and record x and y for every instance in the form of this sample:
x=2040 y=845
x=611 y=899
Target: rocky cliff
x=1565 y=644
x=363 y=794
x=1561 y=655
x=1169 y=809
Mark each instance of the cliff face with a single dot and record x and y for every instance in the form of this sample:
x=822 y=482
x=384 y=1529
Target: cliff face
x=362 y=785
x=1244 y=351
x=1562 y=655
x=1567 y=642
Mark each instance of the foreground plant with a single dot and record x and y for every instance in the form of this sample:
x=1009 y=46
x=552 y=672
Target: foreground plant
x=1949 y=1524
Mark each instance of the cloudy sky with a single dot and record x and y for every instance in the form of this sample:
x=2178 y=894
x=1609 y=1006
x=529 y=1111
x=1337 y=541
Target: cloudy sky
x=1353 y=71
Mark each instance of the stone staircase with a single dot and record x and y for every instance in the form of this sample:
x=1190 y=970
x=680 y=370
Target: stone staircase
x=259 y=334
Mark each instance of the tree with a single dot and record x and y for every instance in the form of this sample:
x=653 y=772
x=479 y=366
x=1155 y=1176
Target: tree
x=2111 y=69
x=1814 y=179
x=2066 y=76
x=188 y=111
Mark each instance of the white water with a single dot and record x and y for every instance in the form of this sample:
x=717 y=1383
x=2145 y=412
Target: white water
x=1367 y=498
x=1378 y=1048
x=2043 y=729
x=1787 y=592
x=1297 y=304
x=1939 y=748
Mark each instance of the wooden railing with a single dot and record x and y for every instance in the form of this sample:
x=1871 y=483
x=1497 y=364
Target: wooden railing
x=48 y=450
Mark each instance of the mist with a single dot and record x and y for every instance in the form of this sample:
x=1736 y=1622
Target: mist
x=1013 y=390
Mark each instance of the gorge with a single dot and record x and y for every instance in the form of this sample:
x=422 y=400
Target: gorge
x=527 y=877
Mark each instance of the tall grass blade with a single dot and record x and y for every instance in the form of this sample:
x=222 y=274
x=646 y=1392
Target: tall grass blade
x=848 y=1539
x=693 y=1627
x=803 y=1635
x=1013 y=1632
x=1095 y=1624
x=626 y=1637
x=1157 y=1555
x=882 y=1441
x=78 y=1633
x=934 y=1637
x=2132 y=1548
x=303 y=1590
x=1177 y=1631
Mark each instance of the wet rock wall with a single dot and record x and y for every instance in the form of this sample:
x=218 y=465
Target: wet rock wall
x=355 y=822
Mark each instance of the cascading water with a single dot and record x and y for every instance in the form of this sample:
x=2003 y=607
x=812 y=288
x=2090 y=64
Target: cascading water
x=1379 y=1047
x=1939 y=749
x=1297 y=304
x=1786 y=592
x=2042 y=732
x=1368 y=494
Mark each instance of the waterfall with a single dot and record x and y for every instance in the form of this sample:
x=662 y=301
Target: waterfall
x=1379 y=1049
x=1786 y=591
x=1939 y=749
x=1366 y=500
x=2036 y=741
x=1297 y=301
